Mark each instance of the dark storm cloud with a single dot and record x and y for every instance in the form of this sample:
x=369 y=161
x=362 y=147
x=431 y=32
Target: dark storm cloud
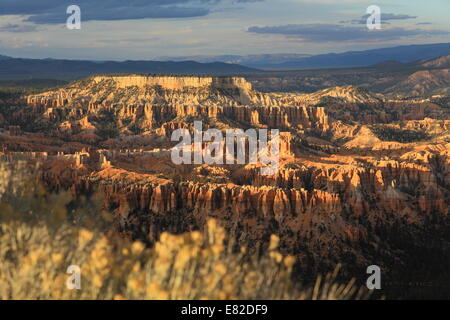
x=54 y=11
x=338 y=33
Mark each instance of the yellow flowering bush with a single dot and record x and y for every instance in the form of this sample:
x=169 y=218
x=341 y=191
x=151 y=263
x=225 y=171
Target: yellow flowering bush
x=36 y=250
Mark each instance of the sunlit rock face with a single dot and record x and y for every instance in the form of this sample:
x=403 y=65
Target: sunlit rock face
x=176 y=82
x=153 y=101
x=359 y=175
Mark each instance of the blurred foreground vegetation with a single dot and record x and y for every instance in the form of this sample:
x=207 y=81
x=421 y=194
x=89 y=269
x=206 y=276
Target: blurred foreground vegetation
x=42 y=234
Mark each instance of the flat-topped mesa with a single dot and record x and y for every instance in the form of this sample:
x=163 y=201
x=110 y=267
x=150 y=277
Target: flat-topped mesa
x=177 y=82
x=240 y=87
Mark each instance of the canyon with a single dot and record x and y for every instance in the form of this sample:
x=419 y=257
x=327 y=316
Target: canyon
x=363 y=179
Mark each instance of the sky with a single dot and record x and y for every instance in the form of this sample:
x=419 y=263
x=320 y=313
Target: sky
x=149 y=29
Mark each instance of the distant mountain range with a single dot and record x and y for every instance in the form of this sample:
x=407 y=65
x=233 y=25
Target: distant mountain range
x=433 y=63
x=14 y=68
x=253 y=60
x=396 y=58
x=402 y=54
x=393 y=78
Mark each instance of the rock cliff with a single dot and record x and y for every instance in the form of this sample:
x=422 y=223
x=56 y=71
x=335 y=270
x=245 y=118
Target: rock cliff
x=361 y=178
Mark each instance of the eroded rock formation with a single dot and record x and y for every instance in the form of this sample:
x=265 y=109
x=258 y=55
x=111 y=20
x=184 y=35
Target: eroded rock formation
x=361 y=177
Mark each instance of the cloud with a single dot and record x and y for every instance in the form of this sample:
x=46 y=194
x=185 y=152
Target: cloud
x=54 y=11
x=17 y=28
x=339 y=33
x=384 y=17
x=392 y=16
